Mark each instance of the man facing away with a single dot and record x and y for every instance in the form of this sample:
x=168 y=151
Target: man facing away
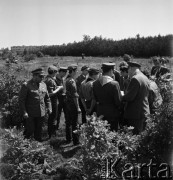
x=33 y=101
x=107 y=94
x=86 y=90
x=137 y=107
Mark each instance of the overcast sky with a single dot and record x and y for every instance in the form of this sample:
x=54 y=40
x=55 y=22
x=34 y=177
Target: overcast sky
x=53 y=22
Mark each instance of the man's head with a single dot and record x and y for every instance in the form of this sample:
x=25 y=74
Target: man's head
x=62 y=71
x=124 y=71
x=146 y=73
x=52 y=70
x=84 y=70
x=108 y=68
x=127 y=58
x=156 y=61
x=133 y=66
x=38 y=75
x=72 y=70
x=94 y=73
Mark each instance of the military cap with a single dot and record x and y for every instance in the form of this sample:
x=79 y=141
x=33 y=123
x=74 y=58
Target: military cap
x=134 y=64
x=108 y=65
x=38 y=71
x=52 y=68
x=84 y=68
x=72 y=67
x=93 y=71
x=63 y=69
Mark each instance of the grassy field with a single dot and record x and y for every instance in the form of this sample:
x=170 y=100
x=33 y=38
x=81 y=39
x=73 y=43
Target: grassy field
x=45 y=62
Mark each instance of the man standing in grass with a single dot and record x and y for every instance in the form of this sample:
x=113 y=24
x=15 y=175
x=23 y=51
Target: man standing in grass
x=79 y=80
x=72 y=106
x=137 y=106
x=61 y=94
x=107 y=94
x=53 y=89
x=33 y=101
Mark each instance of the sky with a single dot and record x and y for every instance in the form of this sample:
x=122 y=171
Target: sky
x=54 y=22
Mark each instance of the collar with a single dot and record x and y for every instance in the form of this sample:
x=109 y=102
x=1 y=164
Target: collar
x=105 y=79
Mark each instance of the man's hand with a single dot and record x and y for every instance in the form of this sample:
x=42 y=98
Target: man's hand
x=25 y=116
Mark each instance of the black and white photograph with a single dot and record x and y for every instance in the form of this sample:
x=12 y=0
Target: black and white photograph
x=86 y=89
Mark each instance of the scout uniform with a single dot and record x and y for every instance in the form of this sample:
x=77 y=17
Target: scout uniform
x=61 y=96
x=52 y=86
x=137 y=107
x=33 y=100
x=79 y=80
x=86 y=89
x=72 y=111
x=107 y=94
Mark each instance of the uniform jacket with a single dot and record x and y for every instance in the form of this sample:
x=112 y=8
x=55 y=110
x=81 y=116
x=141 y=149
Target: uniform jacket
x=51 y=86
x=107 y=94
x=79 y=80
x=71 y=90
x=85 y=91
x=137 y=107
x=34 y=99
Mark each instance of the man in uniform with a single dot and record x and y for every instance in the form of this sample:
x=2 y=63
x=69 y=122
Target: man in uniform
x=79 y=80
x=33 y=101
x=86 y=90
x=72 y=106
x=107 y=94
x=137 y=107
x=52 y=90
x=61 y=94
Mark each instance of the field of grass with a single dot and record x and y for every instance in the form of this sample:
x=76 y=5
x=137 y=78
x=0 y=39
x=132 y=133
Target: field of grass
x=45 y=62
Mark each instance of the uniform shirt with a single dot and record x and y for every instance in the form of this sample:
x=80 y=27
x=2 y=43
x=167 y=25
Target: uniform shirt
x=85 y=91
x=79 y=80
x=71 y=89
x=51 y=86
x=33 y=99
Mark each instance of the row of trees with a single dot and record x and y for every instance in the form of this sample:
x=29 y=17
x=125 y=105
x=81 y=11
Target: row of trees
x=99 y=46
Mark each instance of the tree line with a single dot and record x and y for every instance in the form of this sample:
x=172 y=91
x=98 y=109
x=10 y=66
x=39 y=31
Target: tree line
x=103 y=47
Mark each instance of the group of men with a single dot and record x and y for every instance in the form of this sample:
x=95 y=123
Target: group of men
x=122 y=97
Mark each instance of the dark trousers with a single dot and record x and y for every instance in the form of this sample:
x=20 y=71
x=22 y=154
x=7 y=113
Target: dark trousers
x=71 y=123
x=83 y=112
x=52 y=119
x=33 y=127
x=88 y=105
x=61 y=106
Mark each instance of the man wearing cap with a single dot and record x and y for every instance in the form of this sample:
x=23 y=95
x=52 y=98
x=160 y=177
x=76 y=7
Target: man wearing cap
x=86 y=90
x=72 y=106
x=126 y=58
x=137 y=107
x=79 y=80
x=33 y=101
x=107 y=94
x=61 y=94
x=52 y=90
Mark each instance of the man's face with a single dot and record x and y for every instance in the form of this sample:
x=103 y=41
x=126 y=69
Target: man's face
x=124 y=73
x=39 y=78
x=96 y=76
x=130 y=71
x=63 y=74
x=85 y=72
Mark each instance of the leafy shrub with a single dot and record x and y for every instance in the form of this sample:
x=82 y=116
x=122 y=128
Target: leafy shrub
x=9 y=89
x=98 y=143
x=29 y=57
